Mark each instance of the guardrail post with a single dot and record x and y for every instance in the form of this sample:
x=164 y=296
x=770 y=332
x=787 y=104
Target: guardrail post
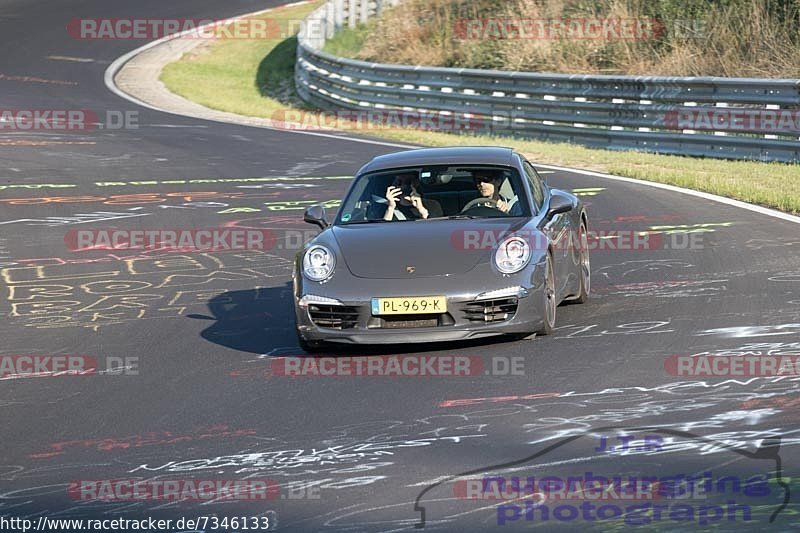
x=330 y=21
x=338 y=14
x=352 y=14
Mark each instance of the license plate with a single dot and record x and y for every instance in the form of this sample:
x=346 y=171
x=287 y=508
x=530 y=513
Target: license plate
x=416 y=305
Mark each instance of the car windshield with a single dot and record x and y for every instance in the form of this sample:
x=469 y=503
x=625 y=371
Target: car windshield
x=435 y=193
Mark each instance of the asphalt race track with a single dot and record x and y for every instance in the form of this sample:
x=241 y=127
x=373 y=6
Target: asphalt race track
x=198 y=332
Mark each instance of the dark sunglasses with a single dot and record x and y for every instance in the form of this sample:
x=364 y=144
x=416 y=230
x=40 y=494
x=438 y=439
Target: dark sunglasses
x=482 y=179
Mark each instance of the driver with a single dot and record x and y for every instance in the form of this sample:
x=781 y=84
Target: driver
x=406 y=201
x=488 y=184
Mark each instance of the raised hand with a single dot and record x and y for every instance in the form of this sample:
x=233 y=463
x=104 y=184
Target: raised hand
x=392 y=195
x=416 y=201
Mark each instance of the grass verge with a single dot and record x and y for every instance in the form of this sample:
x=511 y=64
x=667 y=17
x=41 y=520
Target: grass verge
x=349 y=42
x=254 y=78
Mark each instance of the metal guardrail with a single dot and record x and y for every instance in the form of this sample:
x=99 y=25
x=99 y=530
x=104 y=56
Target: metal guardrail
x=735 y=118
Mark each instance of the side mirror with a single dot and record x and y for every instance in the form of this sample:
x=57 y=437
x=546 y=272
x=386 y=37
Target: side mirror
x=558 y=204
x=315 y=214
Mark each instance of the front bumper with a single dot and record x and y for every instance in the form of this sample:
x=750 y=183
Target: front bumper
x=352 y=322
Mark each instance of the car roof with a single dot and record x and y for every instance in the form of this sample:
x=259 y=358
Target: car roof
x=457 y=155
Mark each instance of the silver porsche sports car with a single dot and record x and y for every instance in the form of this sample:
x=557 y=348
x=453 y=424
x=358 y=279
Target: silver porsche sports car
x=441 y=244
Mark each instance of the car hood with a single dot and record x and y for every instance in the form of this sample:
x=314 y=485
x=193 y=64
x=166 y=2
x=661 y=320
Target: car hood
x=431 y=247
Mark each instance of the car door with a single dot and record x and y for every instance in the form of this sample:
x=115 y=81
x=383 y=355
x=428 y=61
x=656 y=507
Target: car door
x=557 y=229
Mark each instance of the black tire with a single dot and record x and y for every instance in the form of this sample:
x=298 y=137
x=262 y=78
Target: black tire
x=585 y=264
x=549 y=296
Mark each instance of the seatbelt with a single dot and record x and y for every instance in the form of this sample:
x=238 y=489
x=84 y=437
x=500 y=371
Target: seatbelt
x=397 y=213
x=511 y=201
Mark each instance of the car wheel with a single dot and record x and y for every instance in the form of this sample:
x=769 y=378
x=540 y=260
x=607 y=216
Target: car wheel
x=585 y=265
x=549 y=296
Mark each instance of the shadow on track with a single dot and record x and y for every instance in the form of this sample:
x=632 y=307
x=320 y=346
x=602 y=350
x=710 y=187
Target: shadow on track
x=261 y=321
x=255 y=321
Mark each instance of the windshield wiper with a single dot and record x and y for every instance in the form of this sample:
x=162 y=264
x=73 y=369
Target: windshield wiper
x=462 y=217
x=369 y=222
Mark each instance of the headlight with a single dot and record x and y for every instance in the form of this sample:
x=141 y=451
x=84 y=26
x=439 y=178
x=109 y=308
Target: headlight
x=318 y=263
x=311 y=299
x=512 y=255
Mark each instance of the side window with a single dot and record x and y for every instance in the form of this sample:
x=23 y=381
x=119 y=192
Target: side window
x=536 y=185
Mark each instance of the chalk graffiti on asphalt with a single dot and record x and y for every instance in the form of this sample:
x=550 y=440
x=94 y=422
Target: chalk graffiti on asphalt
x=143 y=287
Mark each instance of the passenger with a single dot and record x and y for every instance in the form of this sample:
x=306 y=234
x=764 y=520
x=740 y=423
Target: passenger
x=406 y=202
